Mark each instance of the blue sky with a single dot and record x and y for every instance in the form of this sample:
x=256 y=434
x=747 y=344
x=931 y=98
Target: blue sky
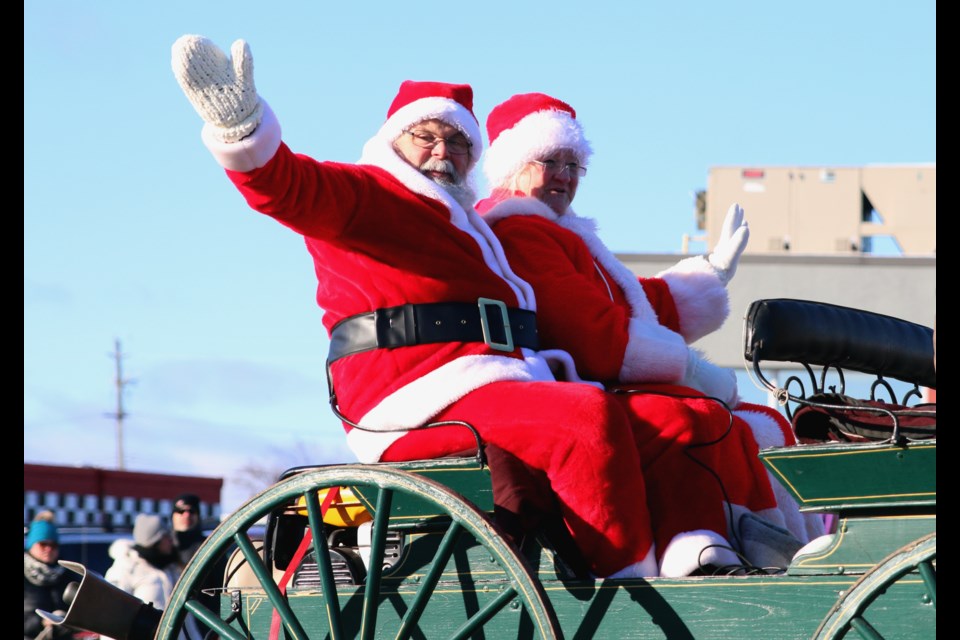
x=132 y=232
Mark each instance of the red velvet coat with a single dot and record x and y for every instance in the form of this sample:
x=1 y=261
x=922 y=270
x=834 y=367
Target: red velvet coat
x=382 y=234
x=617 y=328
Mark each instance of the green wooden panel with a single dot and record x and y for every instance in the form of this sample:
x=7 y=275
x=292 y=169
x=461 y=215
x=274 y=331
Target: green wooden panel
x=760 y=608
x=754 y=607
x=862 y=542
x=720 y=608
x=715 y=608
x=849 y=476
x=447 y=608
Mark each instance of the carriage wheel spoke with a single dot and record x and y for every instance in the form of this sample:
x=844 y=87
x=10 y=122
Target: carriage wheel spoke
x=212 y=620
x=322 y=553
x=444 y=551
x=269 y=586
x=481 y=617
x=378 y=543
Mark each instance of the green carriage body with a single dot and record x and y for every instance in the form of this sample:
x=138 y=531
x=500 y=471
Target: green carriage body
x=852 y=481
x=415 y=552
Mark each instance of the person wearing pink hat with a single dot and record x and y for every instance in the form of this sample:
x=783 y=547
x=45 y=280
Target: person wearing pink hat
x=634 y=335
x=429 y=326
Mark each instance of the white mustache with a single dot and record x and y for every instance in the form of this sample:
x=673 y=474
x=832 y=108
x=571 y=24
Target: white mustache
x=452 y=182
x=445 y=166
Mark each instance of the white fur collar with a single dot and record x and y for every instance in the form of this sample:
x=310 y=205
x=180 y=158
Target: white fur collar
x=519 y=206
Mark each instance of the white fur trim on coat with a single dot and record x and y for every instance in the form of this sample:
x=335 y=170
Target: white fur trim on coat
x=653 y=351
x=406 y=407
x=416 y=403
x=564 y=368
x=701 y=299
x=251 y=152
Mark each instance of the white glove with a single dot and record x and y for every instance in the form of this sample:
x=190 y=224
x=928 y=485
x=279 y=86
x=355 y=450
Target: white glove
x=711 y=380
x=733 y=240
x=221 y=91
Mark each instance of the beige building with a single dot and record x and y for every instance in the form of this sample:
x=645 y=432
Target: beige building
x=886 y=209
x=903 y=287
x=814 y=235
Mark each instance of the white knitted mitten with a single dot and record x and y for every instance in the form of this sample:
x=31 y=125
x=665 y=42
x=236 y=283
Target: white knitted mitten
x=711 y=380
x=733 y=240
x=220 y=89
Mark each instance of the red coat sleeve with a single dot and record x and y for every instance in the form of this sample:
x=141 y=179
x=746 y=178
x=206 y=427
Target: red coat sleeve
x=658 y=293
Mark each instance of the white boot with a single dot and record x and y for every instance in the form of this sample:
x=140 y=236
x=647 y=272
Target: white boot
x=692 y=551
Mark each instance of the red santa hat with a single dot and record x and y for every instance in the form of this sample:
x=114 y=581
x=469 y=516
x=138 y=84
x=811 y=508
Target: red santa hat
x=418 y=101
x=530 y=126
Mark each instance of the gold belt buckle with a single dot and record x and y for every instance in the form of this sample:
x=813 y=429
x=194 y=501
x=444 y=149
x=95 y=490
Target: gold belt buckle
x=485 y=327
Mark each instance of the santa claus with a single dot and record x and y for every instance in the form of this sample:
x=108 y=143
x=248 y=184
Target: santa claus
x=634 y=334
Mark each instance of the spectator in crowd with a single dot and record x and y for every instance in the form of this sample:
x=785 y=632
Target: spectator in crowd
x=185 y=521
x=147 y=566
x=187 y=537
x=43 y=579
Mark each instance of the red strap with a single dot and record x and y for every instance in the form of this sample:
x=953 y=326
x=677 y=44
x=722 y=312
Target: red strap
x=332 y=494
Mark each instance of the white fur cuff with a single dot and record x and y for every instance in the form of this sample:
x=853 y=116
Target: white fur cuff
x=251 y=152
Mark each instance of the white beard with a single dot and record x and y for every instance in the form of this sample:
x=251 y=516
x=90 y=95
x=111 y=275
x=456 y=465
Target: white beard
x=463 y=193
x=459 y=188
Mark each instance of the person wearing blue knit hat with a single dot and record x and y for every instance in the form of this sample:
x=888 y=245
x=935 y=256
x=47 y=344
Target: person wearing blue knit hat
x=43 y=579
x=41 y=531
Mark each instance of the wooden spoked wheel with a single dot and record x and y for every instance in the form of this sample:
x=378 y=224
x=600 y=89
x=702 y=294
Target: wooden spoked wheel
x=504 y=595
x=861 y=611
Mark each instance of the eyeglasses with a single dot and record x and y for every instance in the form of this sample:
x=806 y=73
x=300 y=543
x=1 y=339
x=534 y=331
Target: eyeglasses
x=555 y=168
x=456 y=146
x=187 y=510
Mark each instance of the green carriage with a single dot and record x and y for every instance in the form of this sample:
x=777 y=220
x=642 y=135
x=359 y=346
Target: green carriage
x=412 y=550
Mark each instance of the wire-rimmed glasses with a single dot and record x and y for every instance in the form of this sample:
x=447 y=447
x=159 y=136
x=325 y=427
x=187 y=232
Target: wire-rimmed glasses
x=556 y=168
x=425 y=140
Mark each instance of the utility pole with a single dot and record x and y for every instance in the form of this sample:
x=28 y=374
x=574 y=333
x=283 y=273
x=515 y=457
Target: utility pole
x=120 y=413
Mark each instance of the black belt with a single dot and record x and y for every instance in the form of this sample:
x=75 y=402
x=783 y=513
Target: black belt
x=486 y=320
